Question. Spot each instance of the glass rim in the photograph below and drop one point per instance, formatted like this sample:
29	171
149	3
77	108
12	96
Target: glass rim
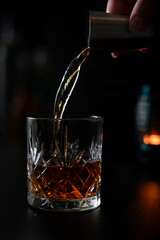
72	118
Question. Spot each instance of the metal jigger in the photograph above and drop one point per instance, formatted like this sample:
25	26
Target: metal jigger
111	32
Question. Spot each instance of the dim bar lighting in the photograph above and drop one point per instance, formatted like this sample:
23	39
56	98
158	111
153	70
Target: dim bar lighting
152	139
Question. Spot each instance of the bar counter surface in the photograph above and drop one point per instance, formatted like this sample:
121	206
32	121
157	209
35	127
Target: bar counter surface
130	206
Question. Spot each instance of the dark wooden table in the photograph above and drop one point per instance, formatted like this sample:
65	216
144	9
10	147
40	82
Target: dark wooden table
130	206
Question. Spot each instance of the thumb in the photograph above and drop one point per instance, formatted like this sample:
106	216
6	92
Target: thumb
141	15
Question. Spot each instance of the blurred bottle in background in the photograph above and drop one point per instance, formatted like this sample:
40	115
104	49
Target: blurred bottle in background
148	122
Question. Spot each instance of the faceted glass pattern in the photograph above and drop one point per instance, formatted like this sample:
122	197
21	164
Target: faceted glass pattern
64	172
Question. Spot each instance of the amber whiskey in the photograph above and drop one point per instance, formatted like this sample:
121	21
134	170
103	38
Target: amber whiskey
65	183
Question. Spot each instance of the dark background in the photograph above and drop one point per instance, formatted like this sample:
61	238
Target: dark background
37	42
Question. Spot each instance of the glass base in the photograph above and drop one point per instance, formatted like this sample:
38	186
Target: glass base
64	206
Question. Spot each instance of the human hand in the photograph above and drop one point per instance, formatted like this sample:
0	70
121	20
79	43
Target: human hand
140	12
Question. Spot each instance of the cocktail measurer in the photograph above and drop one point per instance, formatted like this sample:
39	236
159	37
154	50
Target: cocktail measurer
111	32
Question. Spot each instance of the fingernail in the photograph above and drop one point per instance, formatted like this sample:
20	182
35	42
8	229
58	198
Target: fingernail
136	24
115	55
